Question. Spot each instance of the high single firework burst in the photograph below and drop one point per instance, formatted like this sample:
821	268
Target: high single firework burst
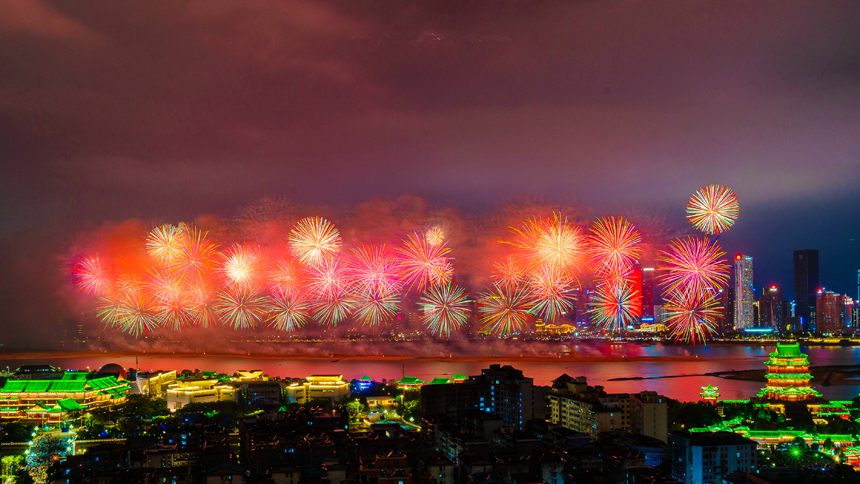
615	305
693	264
713	209
165	243
551	293
422	263
376	307
373	269
614	245
691	316
287	312
92	276
504	310
444	309
435	235
240	308
314	240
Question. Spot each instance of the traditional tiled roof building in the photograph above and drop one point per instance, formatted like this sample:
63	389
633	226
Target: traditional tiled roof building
788	375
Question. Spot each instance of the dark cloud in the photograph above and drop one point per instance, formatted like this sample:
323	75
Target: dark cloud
163	111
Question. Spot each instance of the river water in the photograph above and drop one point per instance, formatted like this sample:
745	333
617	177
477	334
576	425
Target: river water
660	361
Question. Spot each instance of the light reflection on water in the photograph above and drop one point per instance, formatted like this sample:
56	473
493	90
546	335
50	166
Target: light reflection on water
708	359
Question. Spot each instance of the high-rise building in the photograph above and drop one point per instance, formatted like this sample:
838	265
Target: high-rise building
828	314
806	283
648	274
744	293
726	321
846	310
772	308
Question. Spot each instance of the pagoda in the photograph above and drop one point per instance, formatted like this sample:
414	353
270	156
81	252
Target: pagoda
788	376
710	394
364	383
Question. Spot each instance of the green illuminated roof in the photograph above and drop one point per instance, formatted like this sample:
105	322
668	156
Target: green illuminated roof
788	376
365	378
439	380
788	350
459	376
788	391
58	386
69	404
709	388
410	380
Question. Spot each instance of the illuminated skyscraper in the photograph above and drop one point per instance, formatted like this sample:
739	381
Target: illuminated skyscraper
806	284
744	294
772	308
726	320
828	314
648	294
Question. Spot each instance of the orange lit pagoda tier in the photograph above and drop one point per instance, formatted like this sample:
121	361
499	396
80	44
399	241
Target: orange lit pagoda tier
788	375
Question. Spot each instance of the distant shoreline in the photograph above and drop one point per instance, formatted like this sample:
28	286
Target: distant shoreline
343	357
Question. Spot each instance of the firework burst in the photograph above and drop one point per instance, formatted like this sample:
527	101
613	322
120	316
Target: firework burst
444	309
285	277
614	245
197	256
551	293
553	242
507	272
504	310
374	270
328	280
92	276
375	308
165	243
287	312
693	265
240	308
713	209
314	240
135	314
691	316
243	266
615	305
423	263
333	308
435	235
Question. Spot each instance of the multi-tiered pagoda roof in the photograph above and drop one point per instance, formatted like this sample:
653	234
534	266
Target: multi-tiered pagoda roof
788	375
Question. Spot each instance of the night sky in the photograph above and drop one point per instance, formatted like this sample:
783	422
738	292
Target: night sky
166	110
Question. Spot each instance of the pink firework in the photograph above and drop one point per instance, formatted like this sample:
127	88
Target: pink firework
374	270
314	240
328	280
92	276
422	263
694	264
